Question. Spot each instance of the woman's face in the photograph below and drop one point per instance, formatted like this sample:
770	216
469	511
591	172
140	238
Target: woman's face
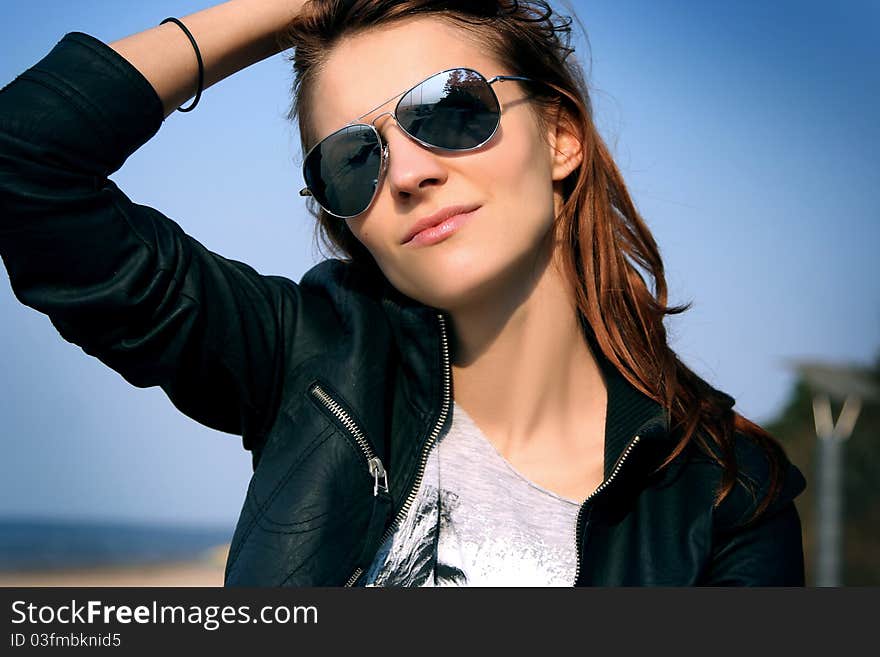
510	178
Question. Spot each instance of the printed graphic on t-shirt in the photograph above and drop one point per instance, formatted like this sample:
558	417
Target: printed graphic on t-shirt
409	556
476	521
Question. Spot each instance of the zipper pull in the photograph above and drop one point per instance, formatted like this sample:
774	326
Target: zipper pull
378	472
378	519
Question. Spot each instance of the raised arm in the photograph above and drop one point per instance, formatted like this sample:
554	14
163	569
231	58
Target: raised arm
121	279
231	36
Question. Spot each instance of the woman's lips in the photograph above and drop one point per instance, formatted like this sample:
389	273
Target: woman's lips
441	231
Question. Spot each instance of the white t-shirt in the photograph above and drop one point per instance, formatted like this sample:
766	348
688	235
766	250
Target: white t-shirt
476	521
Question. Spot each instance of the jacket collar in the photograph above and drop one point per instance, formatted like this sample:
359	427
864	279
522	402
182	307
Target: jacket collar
629	412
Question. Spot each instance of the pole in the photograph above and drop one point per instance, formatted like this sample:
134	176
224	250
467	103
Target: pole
829	501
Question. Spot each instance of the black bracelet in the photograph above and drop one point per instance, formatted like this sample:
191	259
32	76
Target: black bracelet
198	57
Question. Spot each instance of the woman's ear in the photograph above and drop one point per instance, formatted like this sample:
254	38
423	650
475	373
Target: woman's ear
566	143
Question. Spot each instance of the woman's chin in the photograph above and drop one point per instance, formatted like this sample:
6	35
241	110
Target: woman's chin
458	277
453	292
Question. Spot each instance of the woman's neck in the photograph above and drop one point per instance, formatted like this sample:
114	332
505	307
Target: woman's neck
522	368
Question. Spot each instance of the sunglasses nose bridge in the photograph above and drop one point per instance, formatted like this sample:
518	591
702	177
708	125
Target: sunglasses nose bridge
384	142
379	116
373	122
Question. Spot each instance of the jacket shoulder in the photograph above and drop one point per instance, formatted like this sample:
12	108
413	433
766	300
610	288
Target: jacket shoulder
353	291
343	282
753	481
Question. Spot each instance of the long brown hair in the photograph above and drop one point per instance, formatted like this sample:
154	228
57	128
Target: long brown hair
604	237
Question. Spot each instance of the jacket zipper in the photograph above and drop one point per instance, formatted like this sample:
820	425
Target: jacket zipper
434	434
374	463
426	449
579	524
377	470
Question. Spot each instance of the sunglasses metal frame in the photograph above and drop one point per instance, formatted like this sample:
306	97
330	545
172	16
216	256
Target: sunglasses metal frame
384	147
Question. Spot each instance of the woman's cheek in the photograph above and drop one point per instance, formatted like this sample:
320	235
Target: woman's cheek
364	235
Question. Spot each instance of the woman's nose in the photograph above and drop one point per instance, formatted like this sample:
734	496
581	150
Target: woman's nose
412	168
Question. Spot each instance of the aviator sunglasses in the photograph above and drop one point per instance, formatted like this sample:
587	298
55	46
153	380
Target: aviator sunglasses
453	110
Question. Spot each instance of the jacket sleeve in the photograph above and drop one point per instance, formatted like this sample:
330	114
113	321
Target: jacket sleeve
768	551
120	279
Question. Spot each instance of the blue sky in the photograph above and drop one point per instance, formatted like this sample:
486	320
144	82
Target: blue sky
747	133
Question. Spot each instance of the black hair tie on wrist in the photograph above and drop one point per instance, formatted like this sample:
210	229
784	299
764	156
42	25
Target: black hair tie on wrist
198	57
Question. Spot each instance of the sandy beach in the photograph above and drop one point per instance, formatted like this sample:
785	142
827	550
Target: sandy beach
205	570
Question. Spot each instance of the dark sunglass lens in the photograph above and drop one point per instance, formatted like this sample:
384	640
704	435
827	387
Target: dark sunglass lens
342	171
454	109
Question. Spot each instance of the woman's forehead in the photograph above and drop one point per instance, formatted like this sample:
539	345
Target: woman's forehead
368	68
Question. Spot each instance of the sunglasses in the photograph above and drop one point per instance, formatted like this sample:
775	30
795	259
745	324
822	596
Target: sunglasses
453	110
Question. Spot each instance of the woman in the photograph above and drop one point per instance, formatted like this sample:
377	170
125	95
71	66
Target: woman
480	390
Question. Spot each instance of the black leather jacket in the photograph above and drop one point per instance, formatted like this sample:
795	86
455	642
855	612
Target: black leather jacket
337	384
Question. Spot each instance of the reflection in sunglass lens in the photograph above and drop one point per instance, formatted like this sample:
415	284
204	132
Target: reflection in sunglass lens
454	109
342	171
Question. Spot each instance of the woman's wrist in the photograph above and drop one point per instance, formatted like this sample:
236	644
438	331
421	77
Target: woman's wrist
231	36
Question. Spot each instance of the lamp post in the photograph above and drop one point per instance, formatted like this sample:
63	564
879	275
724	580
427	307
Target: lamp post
852	385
